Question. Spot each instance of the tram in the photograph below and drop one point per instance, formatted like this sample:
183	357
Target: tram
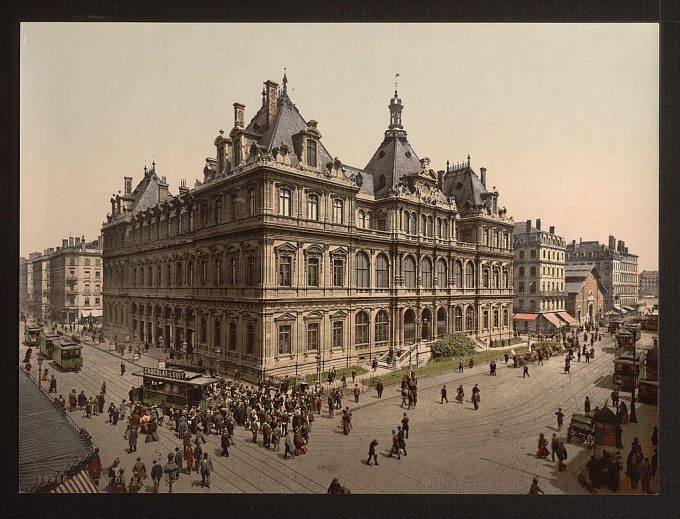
629	372
47	341
172	387
67	355
32	334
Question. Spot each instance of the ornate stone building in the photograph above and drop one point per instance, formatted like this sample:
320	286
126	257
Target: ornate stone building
283	253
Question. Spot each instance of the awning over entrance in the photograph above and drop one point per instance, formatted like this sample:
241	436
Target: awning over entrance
567	318
525	317
81	483
94	313
553	319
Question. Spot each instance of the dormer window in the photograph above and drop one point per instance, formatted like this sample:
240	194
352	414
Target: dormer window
311	153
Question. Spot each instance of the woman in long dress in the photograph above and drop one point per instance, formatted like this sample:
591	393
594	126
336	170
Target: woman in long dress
346	426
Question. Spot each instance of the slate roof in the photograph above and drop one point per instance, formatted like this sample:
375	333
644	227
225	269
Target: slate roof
49	442
394	159
575	277
573	288
465	186
145	195
287	122
367	187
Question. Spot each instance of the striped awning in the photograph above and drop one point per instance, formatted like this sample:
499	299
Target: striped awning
567	318
553	319
525	317
81	483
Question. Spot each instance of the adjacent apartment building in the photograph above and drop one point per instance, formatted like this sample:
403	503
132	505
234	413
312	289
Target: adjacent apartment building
616	266
283	256
25	284
585	293
76	278
41	284
649	283
540	296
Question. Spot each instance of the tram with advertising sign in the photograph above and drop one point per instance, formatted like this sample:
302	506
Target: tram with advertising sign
67	354
47	342
172	387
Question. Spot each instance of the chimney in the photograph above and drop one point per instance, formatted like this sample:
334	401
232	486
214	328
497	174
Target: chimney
70	241
162	192
271	89
77	244
58	249
183	187
580	241
238	115
623	245
612	242
619	245
440	179
538	224
552	229
64	243
528	227
128	186
483	173
573	244
626	250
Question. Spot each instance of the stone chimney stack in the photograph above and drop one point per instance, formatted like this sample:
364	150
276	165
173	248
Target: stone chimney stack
77	244
440	179
483	175
552	229
162	190
271	99
528	227
619	245
70	241
183	186
64	243
127	186
238	115
538	224
612	242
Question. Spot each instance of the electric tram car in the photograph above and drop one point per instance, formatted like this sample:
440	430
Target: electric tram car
32	335
47	341
174	387
67	355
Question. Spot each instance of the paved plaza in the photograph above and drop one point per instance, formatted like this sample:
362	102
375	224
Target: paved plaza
451	447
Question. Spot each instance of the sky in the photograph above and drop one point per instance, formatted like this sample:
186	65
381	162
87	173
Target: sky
564	117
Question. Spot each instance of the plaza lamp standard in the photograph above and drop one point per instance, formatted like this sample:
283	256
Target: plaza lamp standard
40	361
318	369
633	415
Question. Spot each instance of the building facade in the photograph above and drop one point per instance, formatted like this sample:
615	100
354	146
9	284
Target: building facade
283	258
616	266
25	284
540	296
587	295
41	284
76	281
649	283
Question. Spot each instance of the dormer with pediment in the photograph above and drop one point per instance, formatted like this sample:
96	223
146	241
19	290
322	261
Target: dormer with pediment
306	144
241	138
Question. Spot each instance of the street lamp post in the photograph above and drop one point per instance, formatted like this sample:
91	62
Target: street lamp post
318	369
40	361
633	415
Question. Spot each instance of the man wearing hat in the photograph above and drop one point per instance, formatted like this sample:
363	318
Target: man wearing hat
560	418
139	469
179	459
133	439
156	475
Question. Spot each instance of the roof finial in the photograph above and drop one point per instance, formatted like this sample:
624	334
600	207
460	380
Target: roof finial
285	82
145	168
395	84
264	96
447	165
468	159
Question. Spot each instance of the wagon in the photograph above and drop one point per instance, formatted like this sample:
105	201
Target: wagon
32	335
581	427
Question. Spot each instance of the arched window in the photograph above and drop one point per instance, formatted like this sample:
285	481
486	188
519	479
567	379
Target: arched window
485	278
338	210
382	279
485	236
470	319
413	224
442	282
458	319
505	279
313	206
427	273
423	225
428	229
445	230
439	228
361	329
470	275
495	279
404	221
284	201
409	272
368	220
409	326
458	274
381	327
495	239
363	278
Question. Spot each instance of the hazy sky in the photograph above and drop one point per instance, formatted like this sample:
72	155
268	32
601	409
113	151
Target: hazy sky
564	117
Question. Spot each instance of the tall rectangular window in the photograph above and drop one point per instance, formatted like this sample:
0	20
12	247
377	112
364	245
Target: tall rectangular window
234	206
285	271
232	336
311	153
217	334
284	201
218	272
485	319
337	335
338	207
250	339
203	331
251	201
313	207
338	273
232	272
250	274
313	336
313	271
284	338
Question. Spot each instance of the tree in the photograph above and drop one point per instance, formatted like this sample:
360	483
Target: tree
455	345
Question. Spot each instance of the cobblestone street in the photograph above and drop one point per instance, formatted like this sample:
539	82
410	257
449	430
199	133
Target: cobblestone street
451	447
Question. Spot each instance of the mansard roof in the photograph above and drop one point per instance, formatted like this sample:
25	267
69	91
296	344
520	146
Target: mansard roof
465	186
393	160
145	195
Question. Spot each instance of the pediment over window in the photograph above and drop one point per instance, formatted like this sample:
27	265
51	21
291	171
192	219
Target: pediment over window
340	314
340	251
286	317
314	249
312	316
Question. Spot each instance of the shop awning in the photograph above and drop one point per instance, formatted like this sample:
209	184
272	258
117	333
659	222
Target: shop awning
567	318
628	308
553	319
93	313
81	483
525	317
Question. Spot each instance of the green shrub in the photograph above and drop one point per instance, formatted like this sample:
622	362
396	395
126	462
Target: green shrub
456	345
